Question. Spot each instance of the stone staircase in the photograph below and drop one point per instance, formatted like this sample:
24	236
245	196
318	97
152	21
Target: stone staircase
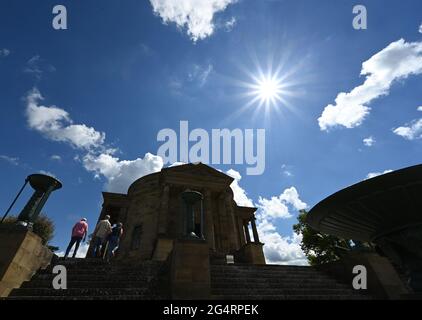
93	279
275	282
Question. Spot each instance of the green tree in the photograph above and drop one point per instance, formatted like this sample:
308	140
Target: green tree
43	227
319	248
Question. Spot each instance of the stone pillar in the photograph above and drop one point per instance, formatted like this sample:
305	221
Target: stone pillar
164	208
21	255
255	231
232	234
241	231
190	270
209	220
223	230
123	216
217	228
163	245
251	253
246	228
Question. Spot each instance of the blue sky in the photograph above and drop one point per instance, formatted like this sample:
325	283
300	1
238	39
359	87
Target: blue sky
124	71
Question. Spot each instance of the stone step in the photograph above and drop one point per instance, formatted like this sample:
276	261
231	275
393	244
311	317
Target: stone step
275	271
299	275
262	266
103	270
80	292
105	264
78	260
96	277
268	276
90	297
281	291
289	268
277	280
281	285
290	297
45	284
98	263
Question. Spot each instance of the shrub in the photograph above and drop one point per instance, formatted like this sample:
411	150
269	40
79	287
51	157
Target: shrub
43	227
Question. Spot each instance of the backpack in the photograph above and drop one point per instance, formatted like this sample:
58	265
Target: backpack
115	232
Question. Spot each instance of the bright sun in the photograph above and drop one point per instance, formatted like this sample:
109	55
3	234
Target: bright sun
267	90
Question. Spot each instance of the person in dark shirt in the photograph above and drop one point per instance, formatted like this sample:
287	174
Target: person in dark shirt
113	240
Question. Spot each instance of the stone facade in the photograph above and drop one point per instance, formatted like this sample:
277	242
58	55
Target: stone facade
21	255
153	215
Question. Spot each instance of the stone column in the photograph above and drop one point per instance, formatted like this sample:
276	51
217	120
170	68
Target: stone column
223	219
255	231
162	220
123	216
246	228
232	234
164	245
240	228
209	220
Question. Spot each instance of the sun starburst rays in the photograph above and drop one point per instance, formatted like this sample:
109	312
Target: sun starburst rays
267	91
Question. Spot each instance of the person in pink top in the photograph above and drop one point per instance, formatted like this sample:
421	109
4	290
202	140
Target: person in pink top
79	232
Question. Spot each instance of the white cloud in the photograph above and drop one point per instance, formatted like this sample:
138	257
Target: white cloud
56	157
36	66
194	15
32	66
176	164
397	61
420	28
278	207
274	207
286	171
291	196
199	74
82	251
410	131
279	249
369	142
240	196
11	160
4	52
376	174
48	173
55	124
194	76
120	174
229	25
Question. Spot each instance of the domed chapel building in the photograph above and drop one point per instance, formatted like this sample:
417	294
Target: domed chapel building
155	213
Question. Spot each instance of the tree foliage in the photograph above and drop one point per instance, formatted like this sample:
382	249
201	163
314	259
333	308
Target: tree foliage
43	227
319	248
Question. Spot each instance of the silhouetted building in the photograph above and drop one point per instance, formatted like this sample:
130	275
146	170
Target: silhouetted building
154	215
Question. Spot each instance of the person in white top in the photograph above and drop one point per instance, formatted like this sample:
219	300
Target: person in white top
102	230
